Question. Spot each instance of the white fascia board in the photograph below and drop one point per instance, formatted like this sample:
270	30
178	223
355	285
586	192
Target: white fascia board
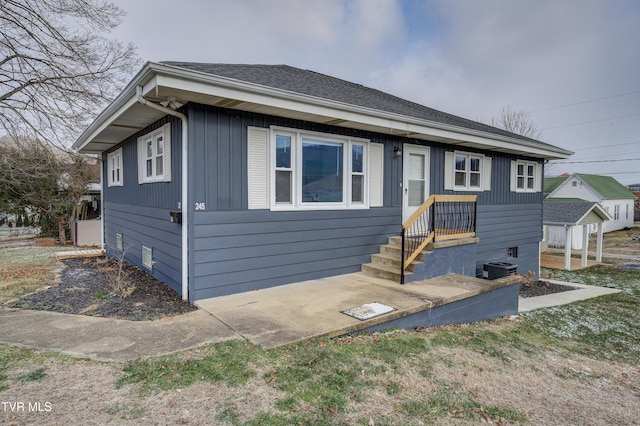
247	92
116	108
87	137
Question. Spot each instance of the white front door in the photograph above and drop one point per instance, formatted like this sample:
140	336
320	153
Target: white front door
415	178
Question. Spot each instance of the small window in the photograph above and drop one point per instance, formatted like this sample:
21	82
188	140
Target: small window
147	257
512	252
526	176
119	241
154	156
468	171
616	212
114	168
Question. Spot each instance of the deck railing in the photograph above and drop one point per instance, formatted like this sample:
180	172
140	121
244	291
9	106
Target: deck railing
440	217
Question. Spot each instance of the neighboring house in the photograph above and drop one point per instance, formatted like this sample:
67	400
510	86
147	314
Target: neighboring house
221	178
86	226
570	220
612	196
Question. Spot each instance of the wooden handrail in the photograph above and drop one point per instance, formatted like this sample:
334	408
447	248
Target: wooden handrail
412	219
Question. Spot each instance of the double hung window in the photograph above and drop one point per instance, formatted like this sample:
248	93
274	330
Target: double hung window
465	171
154	156
114	168
526	176
468	171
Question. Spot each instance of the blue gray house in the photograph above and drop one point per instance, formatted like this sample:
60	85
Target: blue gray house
220	178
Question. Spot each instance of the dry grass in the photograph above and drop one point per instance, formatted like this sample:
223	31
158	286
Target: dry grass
576	364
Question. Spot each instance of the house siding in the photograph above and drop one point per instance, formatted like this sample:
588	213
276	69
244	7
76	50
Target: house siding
234	249
140	212
500	227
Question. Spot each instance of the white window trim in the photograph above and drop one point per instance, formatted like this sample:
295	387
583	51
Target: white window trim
115	155
296	162
537	176
165	131
450	172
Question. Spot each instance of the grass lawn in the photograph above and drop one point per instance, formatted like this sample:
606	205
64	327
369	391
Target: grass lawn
574	364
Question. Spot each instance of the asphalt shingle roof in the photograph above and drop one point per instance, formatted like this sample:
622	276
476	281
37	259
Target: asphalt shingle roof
569	213
319	85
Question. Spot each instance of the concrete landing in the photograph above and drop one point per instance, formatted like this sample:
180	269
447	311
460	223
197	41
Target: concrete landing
79	253
295	312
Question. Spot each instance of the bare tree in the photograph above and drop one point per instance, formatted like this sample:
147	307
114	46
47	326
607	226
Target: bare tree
518	122
35	177
57	68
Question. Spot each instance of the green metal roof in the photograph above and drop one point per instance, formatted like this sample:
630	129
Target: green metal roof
551	183
606	186
565	200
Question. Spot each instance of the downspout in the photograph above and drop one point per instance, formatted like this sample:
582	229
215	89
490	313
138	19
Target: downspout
185	187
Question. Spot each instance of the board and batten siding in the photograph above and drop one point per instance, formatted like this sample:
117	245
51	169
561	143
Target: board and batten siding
235	247
140	212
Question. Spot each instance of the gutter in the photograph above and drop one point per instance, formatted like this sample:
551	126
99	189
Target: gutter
185	187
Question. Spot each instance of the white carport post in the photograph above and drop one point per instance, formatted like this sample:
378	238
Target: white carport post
599	243
567	247
585	245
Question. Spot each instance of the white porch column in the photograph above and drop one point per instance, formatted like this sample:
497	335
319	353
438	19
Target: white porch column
585	245
567	248
599	243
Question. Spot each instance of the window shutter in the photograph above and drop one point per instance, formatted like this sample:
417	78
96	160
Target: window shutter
448	170
376	175
166	130
140	161
258	168
486	170
538	178
514	178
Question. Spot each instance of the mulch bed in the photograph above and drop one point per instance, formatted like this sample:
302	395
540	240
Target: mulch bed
540	288
87	287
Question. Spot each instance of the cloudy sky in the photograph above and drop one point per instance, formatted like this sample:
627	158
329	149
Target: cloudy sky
573	65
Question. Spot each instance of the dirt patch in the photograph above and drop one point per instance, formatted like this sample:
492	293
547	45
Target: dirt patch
87	287
541	288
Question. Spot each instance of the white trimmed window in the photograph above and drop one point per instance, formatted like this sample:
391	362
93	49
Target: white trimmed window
465	171
114	168
314	171
526	176
616	212
154	156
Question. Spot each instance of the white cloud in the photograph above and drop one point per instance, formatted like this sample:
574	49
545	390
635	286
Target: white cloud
465	57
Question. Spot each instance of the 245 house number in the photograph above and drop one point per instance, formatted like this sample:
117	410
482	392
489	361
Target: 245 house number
200	206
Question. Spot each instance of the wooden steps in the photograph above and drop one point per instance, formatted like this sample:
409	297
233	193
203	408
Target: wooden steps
386	263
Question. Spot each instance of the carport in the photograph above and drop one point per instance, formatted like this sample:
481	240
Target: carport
570	214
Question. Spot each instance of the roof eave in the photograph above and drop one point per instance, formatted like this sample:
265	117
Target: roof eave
386	122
